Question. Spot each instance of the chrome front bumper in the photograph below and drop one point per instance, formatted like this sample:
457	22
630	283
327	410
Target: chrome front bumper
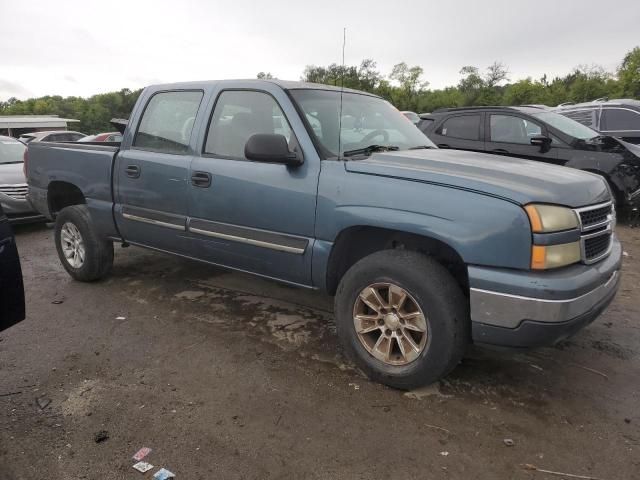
509	311
529	309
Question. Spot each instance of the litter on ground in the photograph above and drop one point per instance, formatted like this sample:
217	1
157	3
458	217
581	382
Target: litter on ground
140	454
143	467
163	474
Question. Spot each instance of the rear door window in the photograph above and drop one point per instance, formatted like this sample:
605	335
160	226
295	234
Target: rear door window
167	122
466	127
512	129
620	119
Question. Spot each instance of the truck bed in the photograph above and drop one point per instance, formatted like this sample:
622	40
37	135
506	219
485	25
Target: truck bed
87	167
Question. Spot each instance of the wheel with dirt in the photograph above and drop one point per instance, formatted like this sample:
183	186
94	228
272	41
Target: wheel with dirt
83	253
402	318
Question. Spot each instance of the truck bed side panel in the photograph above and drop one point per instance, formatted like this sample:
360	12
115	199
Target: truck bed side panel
87	167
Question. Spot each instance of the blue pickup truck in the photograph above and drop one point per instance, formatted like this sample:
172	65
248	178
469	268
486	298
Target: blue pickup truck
425	250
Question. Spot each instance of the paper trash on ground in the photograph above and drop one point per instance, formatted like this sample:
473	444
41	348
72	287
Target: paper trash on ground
143	467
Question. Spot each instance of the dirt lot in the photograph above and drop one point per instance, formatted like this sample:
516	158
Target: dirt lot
231	377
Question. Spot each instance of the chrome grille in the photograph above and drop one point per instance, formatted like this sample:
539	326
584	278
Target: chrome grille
595	217
596	225
18	191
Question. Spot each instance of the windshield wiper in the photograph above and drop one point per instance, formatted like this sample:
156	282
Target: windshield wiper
420	147
368	150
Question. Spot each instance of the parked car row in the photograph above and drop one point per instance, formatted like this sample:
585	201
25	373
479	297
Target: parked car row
538	133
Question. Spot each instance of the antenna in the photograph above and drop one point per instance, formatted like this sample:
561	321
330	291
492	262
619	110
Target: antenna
344	43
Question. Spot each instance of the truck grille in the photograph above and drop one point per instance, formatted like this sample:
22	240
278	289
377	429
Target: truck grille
596	224
17	192
590	218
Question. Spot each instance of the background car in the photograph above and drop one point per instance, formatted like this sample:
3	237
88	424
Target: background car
103	137
537	133
618	118
52	136
413	116
11	286
13	185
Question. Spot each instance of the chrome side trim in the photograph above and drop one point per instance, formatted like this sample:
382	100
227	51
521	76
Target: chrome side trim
158	223
222	265
508	311
248	241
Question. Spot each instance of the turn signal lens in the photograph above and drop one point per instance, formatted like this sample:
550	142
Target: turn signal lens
551	218
544	257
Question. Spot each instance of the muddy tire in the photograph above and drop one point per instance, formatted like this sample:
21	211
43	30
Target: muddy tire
83	253
402	318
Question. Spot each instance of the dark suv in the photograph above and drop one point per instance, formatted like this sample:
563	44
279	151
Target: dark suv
536	133
618	118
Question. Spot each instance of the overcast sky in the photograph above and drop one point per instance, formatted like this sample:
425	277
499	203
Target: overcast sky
83	47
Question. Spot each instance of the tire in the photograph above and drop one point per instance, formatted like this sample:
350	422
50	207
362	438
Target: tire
97	261
433	290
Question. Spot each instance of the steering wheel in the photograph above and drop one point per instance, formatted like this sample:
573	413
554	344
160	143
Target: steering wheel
371	135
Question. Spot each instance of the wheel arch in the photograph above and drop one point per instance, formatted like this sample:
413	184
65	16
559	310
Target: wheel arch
61	194
356	242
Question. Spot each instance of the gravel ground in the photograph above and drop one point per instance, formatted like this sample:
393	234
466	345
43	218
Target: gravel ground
227	376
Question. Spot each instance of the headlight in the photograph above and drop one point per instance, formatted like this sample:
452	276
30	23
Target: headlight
551	218
544	257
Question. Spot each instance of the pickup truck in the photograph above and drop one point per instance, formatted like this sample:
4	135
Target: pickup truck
425	250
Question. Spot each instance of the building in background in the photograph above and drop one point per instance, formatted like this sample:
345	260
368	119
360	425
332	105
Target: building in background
16	125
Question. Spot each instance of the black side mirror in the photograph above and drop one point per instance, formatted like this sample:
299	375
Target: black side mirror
271	148
541	141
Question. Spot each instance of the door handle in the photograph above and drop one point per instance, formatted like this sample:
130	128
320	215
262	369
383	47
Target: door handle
201	179
132	171
500	151
443	145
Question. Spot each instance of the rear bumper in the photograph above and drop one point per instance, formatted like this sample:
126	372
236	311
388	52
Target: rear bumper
531	310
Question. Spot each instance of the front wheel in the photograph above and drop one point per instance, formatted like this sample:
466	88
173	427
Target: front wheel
82	252
402	318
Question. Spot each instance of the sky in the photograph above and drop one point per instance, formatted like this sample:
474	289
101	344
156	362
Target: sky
84	47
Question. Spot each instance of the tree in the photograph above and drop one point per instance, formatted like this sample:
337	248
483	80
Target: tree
629	74
265	75
411	85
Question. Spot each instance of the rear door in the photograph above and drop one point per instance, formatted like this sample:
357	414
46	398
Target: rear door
11	286
511	134
152	171
460	131
251	215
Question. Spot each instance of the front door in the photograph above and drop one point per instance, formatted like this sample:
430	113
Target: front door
511	135
253	216
152	174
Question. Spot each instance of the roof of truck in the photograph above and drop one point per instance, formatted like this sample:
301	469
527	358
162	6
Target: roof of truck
284	84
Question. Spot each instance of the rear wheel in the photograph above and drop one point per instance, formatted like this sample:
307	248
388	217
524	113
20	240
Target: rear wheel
83	254
402	318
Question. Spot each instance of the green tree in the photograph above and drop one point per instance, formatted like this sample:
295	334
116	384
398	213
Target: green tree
629	75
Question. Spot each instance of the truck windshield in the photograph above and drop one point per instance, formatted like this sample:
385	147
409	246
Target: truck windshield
11	151
567	125
366	121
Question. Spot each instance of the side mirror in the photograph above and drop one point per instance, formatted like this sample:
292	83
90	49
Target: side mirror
541	141
271	148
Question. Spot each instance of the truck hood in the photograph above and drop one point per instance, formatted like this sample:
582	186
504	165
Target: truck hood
11	174
521	181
